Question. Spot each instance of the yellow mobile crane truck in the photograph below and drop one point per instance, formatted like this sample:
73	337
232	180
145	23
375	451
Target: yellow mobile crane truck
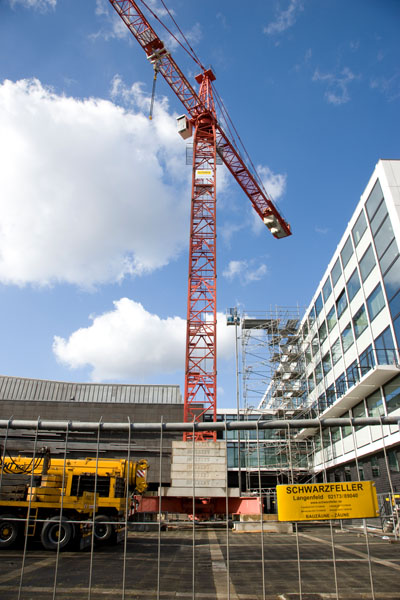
59	501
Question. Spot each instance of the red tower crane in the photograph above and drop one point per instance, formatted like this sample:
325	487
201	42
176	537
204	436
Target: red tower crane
210	142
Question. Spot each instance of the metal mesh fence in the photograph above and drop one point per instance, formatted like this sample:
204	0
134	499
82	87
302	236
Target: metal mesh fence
76	526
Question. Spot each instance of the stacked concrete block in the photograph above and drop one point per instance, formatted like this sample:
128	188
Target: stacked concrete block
200	467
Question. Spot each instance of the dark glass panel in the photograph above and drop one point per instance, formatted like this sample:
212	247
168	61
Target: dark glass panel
359	228
336	272
341	303
375	302
367	263
353	285
327	289
360	321
347	252
374	200
392	279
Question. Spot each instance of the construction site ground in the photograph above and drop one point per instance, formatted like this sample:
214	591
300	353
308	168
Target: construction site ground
212	569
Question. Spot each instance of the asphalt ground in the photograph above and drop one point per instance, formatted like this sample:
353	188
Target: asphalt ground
215	568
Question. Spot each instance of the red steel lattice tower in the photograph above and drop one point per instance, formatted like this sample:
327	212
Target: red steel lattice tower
201	334
209	134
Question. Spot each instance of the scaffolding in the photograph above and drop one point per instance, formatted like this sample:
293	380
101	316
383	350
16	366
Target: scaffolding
274	384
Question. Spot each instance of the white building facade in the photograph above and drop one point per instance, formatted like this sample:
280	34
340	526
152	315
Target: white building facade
351	339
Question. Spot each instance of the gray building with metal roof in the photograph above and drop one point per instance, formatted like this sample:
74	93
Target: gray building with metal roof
23	398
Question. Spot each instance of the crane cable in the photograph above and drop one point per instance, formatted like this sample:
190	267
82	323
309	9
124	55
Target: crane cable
222	108
192	53
237	139
153	91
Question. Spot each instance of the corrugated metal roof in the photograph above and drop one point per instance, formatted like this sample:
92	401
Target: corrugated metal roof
20	388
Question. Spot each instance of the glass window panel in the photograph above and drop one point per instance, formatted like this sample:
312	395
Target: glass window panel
378	218
375	466
322	332
311	384
305	329
367	263
396	325
360	321
347	251
393	461
336	272
395	305
321	404
384	347
353	374
359	411
315	345
307	355
375	302
375	404
367	360
392	394
353	285
330	395
392	279
347	337
341	303
384	237
341	385
326	363
331	318
346	429
336	351
318	305
389	256
318	373
327	289
374	200
311	317
359	228
335	434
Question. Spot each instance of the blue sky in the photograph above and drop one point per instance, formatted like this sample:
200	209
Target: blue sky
95	198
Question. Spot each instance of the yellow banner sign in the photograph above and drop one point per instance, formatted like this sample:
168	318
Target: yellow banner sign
324	501
204	173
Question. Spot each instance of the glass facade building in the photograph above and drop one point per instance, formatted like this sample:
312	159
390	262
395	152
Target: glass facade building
347	347
355	334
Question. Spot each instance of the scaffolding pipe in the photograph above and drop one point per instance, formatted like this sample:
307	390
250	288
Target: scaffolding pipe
43	424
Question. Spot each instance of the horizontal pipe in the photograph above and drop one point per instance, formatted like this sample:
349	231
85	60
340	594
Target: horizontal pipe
181	427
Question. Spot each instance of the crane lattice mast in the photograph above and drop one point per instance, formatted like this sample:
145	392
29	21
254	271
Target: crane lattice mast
208	136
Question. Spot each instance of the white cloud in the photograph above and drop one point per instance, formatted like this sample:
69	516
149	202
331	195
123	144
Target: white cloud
285	18
389	86
90	192
41	5
244	271
130	343
113	26
337	92
274	183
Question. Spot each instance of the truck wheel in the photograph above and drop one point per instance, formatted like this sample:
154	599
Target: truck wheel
103	531
54	536
9	530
